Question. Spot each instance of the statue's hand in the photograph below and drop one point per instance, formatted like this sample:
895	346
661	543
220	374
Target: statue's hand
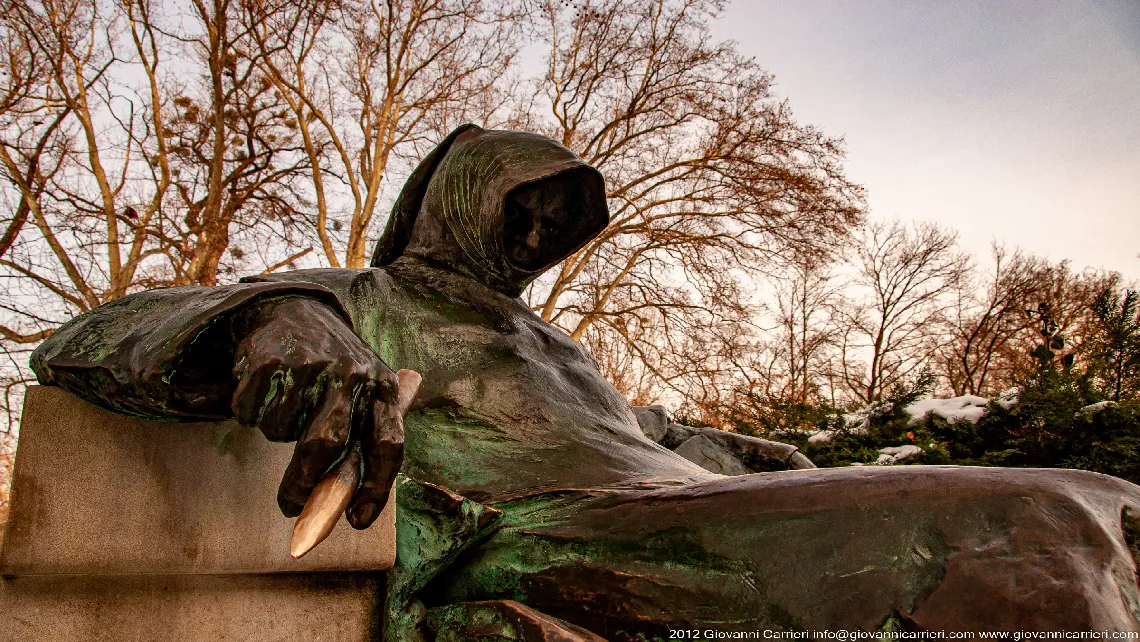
302	374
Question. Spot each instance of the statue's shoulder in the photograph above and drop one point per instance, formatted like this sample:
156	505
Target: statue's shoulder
342	281
435	295
358	289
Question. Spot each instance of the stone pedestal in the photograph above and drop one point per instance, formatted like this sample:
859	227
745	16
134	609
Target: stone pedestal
122	528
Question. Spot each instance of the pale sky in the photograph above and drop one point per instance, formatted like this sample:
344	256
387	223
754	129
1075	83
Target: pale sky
1010	119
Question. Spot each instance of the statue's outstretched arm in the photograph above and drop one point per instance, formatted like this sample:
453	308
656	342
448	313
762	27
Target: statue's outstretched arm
280	356
163	354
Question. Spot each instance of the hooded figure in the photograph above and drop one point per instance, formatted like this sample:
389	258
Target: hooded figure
529	494
500	207
481	216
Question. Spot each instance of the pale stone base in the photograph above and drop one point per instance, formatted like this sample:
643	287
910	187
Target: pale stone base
247	608
125	529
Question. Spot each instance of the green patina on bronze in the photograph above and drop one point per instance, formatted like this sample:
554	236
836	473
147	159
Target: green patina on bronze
433	527
500	620
531	501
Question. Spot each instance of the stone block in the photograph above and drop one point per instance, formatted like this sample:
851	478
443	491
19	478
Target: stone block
653	421
192	608
711	456
677	434
127	529
95	492
758	455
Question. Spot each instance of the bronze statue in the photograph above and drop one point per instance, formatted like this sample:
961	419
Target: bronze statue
529	494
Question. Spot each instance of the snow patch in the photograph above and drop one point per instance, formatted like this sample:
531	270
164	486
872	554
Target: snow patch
892	454
859	420
1092	409
964	408
856	422
1008	398
821	436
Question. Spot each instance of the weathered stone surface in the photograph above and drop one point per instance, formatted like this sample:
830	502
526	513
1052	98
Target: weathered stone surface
192	608
758	455
653	420
800	461
677	434
721	452
95	492
704	452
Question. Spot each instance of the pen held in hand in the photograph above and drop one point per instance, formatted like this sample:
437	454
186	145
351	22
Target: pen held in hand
329	499
332	494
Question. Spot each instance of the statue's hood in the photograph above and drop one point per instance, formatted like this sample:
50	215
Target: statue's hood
450	212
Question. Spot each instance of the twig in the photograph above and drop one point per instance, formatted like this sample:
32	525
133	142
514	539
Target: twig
277	266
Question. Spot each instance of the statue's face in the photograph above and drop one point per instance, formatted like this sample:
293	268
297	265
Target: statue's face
543	221
499	207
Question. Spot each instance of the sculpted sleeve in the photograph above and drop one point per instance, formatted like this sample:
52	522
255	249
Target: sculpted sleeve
164	353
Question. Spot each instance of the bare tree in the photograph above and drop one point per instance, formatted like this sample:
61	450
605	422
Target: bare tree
142	148
24	100
806	298
902	276
234	148
132	158
1069	299
775	368
367	78
708	177
783	357
985	313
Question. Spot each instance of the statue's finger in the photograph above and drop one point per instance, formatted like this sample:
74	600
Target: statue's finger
382	460
287	404
322	443
249	395
382	446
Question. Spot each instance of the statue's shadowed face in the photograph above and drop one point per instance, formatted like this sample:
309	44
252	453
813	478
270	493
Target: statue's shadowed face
545	220
500	207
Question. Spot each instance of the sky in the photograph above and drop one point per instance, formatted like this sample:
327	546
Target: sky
1014	120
